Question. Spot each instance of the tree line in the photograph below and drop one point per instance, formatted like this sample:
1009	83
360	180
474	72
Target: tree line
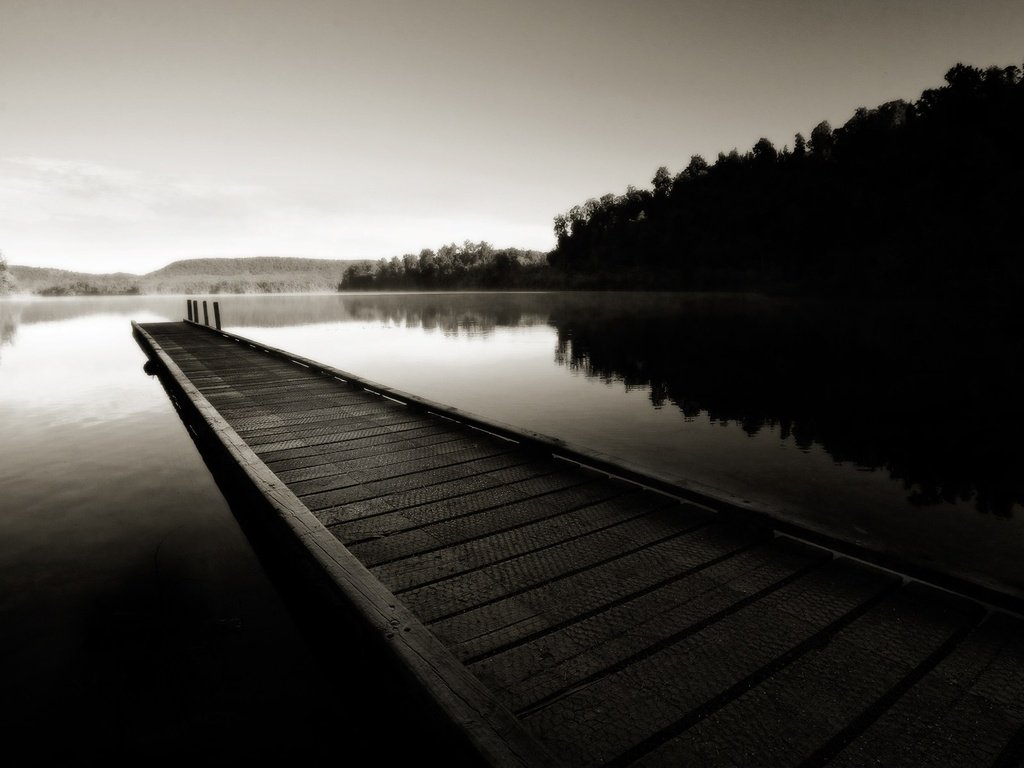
902	198
471	265
87	288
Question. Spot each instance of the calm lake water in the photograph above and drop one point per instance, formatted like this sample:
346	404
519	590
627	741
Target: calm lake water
135	621
895	430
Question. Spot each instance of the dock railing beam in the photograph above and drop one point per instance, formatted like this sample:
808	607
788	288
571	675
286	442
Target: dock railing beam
206	313
188	305
216	314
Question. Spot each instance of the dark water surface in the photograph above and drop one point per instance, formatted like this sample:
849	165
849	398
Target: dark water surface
136	624
894	428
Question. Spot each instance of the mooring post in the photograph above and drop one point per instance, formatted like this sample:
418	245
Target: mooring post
216	314
195	310
206	314
188	303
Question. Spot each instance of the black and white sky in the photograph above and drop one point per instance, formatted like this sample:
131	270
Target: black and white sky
134	133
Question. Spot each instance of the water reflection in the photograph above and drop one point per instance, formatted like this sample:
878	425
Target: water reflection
914	390
478	314
8	325
926	395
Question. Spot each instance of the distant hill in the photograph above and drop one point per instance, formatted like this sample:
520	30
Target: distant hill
63	282
262	274
256	265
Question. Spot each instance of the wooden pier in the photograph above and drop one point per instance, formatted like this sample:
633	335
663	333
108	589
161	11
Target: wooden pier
559	609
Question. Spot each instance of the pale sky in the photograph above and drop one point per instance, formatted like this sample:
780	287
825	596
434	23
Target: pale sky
134	133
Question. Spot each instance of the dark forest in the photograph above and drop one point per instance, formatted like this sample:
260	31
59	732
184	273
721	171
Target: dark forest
902	199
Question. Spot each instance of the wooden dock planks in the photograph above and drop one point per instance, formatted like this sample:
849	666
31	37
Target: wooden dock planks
615	625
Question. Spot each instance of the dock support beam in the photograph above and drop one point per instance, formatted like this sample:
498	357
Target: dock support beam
188	303
216	314
206	314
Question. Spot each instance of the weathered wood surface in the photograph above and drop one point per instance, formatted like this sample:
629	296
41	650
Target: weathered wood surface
614	625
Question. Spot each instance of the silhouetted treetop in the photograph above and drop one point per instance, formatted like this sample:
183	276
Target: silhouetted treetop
904	197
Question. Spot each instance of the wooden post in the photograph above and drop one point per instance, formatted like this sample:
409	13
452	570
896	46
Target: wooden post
206	314
195	310
188	303
216	314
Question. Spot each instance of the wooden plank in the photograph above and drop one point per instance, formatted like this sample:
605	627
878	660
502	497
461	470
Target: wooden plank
509	577
342	500
350	440
204	377
370	518
236	399
259	379
528	665
486	523
414	437
273	419
338	421
286	410
793	715
267	391
241	372
966	711
192	356
335	390
287	413
264	384
453	559
535	630
376	427
332	417
376	468
403	450
355	483
459	499
603	720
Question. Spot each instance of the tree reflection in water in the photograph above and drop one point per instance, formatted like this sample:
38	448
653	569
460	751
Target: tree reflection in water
928	394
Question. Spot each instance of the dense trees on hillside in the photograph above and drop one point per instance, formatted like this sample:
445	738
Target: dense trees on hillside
471	265
902	198
6	279
250	267
87	288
